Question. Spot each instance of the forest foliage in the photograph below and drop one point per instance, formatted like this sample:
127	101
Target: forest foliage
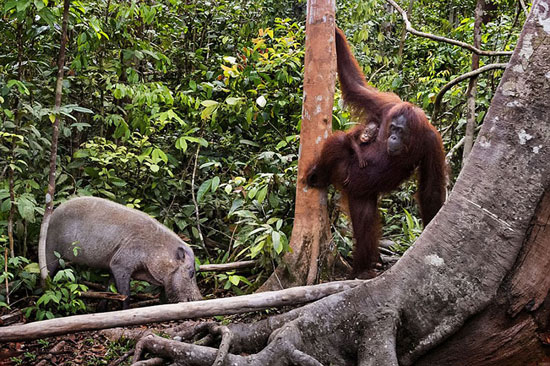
178	107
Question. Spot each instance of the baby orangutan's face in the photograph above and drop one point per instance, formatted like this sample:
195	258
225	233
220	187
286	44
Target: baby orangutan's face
369	133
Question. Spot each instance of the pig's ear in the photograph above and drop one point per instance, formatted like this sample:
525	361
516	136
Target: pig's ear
180	253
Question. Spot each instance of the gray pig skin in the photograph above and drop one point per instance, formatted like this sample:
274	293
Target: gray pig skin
125	241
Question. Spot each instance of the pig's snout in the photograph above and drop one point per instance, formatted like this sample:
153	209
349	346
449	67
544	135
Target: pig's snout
182	286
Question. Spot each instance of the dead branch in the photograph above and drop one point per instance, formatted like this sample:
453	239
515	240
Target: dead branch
454	42
226	266
457	80
14	317
453	149
144	303
103	295
160	313
524	7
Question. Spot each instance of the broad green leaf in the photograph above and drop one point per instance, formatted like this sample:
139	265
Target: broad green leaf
238	203
235	280
205	186
209	103
261	194
32	268
232	100
181	144
26	208
158	155
215	183
277	245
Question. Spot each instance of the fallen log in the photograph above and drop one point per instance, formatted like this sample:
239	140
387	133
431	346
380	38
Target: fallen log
168	312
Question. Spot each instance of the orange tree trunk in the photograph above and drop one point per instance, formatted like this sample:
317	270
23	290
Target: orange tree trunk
311	232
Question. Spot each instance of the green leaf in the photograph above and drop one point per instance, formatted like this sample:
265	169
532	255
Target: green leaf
202	142
208	111
238	203
277	245
209	103
262	194
181	144
215	183
232	100
235	280
158	154
32	268
22	5
82	153
26	208
154	168
9	5
248	142
205	186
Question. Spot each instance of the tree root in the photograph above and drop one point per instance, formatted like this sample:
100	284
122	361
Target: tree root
330	331
284	348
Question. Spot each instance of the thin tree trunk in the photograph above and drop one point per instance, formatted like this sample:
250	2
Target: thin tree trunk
404	33
472	85
53	154
6	270
311	231
11	214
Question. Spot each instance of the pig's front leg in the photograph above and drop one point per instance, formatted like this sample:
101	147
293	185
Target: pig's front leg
122	268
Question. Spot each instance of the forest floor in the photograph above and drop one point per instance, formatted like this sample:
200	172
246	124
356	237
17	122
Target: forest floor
84	348
94	348
103	347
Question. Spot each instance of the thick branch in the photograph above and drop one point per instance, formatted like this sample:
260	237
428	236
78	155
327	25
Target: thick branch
454	42
224	306
462	77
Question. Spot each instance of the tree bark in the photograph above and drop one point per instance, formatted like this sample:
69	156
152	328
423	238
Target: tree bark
513	330
473	289
311	231
53	155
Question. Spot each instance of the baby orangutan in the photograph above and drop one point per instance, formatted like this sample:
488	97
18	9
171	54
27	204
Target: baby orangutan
359	137
367	135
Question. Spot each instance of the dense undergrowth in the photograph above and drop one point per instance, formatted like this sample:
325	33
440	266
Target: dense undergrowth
176	106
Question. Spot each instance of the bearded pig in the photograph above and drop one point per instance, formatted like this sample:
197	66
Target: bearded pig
129	243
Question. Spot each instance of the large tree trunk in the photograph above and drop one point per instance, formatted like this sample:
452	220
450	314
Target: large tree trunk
311	230
473	290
